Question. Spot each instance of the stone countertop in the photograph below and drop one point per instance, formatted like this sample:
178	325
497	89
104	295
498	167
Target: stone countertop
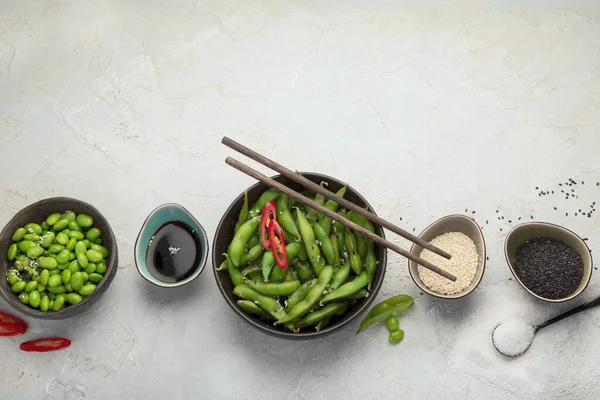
427	108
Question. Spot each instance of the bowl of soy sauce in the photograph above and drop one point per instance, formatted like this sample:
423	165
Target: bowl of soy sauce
172	247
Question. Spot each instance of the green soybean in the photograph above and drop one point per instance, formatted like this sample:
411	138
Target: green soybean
76	235
74	227
44	303
68	287
63	266
95	278
35	251
74	266
83	261
57	289
41	288
24	297
62	238
88	244
53	219
94	256
32	236
55	248
88	289
84	220
98	241
60	225
69	215
59	303
19	235
18	287
74	298
77	281
93	234
55	281
44	276
103	250
80	247
33	228
66	276
12	252
13	276
396	336
392	323
101	267
24	245
34	299
71	244
90	269
47	239
85	277
63	256
30	286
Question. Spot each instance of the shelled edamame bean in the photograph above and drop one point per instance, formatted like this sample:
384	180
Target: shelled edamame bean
321	276
57	263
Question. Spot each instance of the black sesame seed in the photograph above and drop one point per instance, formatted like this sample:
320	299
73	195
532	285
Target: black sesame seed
466	210
487	222
496	211
555	208
509	221
487	258
537	187
473	212
500	229
502	217
585	239
567	214
519	218
531	216
560	184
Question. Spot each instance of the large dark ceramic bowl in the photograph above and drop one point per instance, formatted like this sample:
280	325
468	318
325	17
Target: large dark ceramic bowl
37	212
223	237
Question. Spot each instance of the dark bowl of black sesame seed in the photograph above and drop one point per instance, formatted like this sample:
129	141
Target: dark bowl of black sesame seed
551	262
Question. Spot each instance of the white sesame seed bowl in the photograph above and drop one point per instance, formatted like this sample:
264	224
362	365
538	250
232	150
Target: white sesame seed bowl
461	237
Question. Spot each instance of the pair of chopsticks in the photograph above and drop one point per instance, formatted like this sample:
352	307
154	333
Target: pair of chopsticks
297	177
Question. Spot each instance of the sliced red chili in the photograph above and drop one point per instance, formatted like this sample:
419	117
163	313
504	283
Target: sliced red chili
278	244
269	213
11	325
43	345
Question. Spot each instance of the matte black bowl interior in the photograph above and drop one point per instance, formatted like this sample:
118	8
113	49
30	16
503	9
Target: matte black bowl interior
38	212
224	234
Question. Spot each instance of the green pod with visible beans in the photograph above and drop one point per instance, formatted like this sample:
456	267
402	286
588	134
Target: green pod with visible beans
274	289
252	255
237	246
19	234
244	212
268	260
284	216
340	277
266	196
347	289
251	308
278	275
310	242
316	316
266	303
325	242
314	294
324	221
299	294
304	270
383	310
254	240
355	260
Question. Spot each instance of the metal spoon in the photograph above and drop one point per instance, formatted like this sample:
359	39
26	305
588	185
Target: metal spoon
543	325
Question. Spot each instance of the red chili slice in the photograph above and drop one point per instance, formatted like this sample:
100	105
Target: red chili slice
269	213
278	244
11	325
43	345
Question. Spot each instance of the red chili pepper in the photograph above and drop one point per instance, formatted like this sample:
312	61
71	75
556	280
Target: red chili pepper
278	244
269	213
43	345
11	325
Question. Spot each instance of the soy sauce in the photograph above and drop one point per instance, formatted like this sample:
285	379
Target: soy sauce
174	252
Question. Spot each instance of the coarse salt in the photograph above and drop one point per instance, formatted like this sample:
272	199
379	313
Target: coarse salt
463	264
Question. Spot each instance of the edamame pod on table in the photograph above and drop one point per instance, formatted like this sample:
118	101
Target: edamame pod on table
386	308
238	244
268	304
347	289
311	299
266	196
244	212
284	216
324	220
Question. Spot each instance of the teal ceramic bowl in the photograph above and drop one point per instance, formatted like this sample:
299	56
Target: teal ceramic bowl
162	215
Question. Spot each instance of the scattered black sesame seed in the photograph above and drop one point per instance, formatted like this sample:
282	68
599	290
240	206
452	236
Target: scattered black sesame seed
553	192
537	187
487	222
509	221
560	184
473	212
496	211
519	218
466	210
575	214
487	258
531	216
566	214
510	279
555	208
582	182
414	229
500	229
585	239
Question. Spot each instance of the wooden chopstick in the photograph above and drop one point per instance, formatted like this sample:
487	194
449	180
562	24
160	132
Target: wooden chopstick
297	177
336	217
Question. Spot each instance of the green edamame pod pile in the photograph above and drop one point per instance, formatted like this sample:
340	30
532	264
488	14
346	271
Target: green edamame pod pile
58	262
319	270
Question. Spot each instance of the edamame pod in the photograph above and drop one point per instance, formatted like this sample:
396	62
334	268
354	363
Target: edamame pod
310	243
284	216
251	308
268	304
347	289
311	299
267	195
274	289
238	244
244	212
325	242
324	220
314	317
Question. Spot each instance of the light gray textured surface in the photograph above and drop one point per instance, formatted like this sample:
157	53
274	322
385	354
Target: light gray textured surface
426	107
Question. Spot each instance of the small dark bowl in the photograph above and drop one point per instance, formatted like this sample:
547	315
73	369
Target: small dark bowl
223	237
37	212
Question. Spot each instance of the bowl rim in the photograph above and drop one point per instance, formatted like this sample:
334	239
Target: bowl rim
367	302
465	292
201	265
551	226
101	288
